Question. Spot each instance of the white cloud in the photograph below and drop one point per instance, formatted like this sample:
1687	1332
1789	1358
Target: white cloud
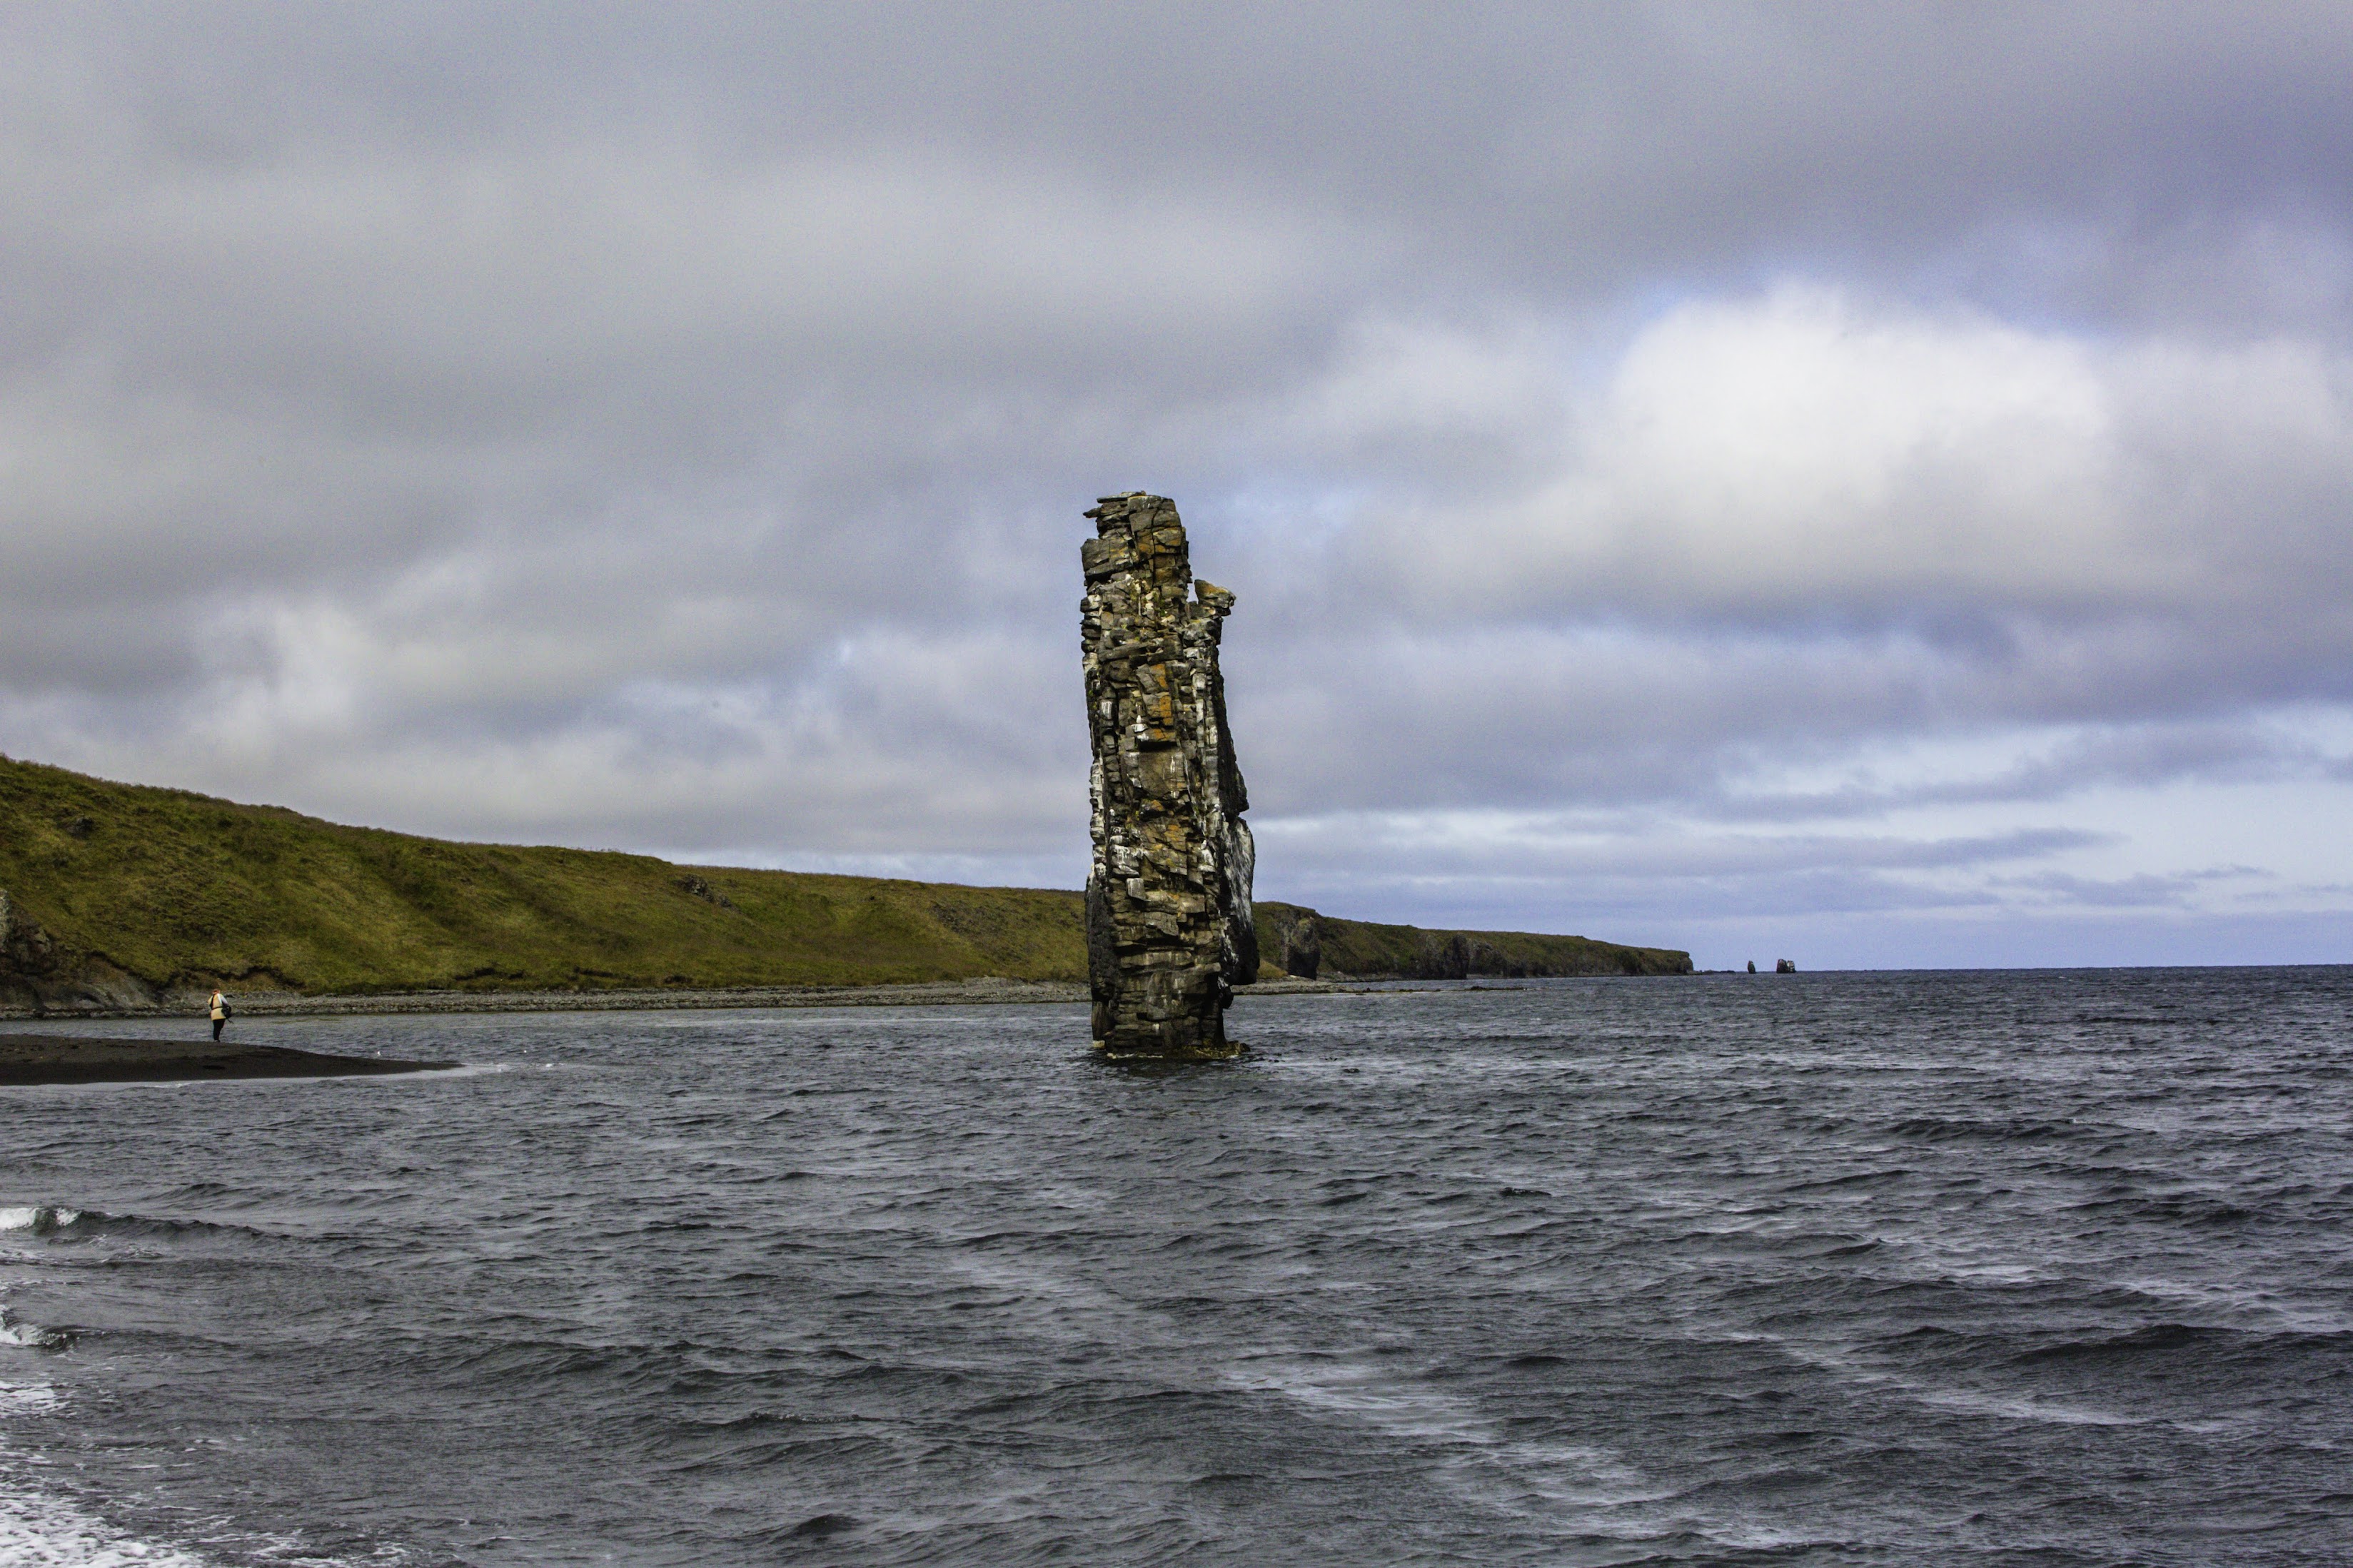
1796	455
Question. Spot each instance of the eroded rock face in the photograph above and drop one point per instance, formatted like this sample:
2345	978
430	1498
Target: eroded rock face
26	948
1168	900
38	974
1296	936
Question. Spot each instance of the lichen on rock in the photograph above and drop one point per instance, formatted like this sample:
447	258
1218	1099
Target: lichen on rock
1169	929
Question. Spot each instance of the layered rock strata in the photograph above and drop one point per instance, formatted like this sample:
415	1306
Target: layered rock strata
1169	929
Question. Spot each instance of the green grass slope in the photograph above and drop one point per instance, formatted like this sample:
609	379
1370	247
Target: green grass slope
179	890
114	891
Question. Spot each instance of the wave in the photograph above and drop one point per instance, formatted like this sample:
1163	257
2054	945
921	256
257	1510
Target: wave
1944	1129
2168	1338
57	1222
15	1330
2178	1208
41	1219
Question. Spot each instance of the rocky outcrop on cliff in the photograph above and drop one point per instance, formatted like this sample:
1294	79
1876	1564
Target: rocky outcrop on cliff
40	974
29	959
24	946
1169	925
1294	941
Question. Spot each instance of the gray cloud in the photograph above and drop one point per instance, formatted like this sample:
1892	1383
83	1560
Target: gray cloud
667	427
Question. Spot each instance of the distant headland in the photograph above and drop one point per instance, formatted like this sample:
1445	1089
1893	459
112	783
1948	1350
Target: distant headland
129	899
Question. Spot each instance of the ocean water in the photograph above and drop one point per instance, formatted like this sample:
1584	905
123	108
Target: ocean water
2050	1269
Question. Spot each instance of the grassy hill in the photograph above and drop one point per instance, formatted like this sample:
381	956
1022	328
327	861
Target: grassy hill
123	892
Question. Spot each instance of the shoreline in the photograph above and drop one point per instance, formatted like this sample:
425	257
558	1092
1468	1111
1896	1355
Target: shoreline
989	991
27	1060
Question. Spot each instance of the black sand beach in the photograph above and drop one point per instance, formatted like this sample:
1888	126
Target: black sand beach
59	1058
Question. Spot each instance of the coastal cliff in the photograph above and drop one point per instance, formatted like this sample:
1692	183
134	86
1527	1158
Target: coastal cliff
1300	941
124	898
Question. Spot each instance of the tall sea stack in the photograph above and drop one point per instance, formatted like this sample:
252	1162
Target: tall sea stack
1168	898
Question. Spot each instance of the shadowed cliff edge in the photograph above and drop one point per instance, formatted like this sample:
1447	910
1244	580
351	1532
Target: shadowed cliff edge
125	898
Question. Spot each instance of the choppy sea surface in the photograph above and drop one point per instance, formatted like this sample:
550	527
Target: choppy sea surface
2045	1268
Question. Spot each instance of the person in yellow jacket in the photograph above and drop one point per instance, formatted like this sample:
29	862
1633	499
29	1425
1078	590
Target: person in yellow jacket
220	1013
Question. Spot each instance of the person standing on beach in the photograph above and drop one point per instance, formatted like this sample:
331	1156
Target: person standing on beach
220	1014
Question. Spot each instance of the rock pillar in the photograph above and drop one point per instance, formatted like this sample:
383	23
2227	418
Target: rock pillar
1168	898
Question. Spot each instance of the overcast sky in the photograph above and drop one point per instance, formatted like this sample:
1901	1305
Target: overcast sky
1866	484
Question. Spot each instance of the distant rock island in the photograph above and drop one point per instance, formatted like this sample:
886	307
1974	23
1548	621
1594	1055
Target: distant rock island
124	898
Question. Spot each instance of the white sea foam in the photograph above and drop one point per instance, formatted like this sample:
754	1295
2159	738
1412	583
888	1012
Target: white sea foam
2270	1312
1966	1401
1483	1465
35	1217
15	1330
1474	1457
463	1069
27	1399
2014	1408
41	1530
